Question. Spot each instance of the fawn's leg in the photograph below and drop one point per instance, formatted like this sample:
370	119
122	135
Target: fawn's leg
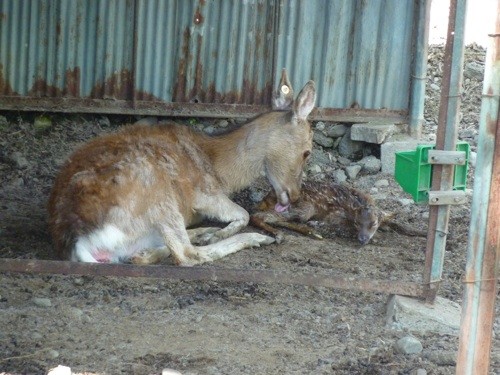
259	221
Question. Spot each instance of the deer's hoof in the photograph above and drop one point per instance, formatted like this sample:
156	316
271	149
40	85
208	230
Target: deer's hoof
261	239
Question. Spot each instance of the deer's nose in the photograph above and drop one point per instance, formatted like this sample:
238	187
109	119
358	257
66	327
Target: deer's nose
363	239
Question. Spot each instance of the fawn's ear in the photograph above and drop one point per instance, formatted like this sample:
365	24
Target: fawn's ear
283	98
305	101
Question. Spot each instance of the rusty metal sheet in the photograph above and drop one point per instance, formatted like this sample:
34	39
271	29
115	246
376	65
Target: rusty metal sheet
206	52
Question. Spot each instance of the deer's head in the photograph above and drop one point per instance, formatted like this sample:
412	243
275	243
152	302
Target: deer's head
290	145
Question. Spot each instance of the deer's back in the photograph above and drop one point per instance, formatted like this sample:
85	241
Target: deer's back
131	172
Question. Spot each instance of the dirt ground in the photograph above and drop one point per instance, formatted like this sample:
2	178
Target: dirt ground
101	325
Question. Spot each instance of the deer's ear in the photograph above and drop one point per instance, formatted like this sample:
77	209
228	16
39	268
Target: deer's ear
283	98
305	101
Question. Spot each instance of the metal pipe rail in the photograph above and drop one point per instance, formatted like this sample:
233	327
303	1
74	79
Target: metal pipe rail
211	274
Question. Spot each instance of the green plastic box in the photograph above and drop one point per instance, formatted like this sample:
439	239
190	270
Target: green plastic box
414	173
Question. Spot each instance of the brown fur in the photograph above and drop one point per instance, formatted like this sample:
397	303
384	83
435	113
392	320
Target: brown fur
331	203
146	184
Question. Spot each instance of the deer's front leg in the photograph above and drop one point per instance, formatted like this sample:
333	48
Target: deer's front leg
221	208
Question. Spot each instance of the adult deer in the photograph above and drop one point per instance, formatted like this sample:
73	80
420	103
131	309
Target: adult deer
131	195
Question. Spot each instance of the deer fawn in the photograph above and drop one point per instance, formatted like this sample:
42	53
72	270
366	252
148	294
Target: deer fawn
334	204
131	195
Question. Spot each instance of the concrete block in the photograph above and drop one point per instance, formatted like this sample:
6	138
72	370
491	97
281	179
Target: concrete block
388	153
372	132
443	317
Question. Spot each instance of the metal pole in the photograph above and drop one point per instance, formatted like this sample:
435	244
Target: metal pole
212	274
420	68
483	250
442	176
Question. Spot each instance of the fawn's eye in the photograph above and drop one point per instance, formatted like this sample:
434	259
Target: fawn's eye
306	154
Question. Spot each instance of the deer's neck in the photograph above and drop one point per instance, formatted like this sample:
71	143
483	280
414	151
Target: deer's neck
238	157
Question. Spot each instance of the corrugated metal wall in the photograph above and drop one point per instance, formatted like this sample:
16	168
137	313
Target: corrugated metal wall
66	48
206	57
206	51
359	51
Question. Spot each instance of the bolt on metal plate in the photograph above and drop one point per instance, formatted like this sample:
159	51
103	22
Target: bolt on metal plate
446	157
437	198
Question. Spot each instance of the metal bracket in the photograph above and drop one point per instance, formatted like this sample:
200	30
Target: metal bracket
446	157
437	198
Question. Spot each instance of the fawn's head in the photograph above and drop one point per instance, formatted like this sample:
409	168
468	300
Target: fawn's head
290	146
366	222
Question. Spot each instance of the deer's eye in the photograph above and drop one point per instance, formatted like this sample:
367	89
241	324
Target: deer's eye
306	154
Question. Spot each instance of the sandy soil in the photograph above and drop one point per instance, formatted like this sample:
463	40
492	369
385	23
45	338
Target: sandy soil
141	326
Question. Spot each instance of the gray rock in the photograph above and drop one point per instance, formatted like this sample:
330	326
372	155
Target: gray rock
435	87
349	148
17	182
150	120
381	183
36	336
339	176
210	129
405	201
419	371
468	133
337	142
413	315
3	122
370	164
320	125
78	281
408	345
352	171
19	160
314	169
42	302
343	161
104	121
473	158
76	312
322	139
222	123
241	120
320	157
53	353
442	358
372	132
336	131
474	70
